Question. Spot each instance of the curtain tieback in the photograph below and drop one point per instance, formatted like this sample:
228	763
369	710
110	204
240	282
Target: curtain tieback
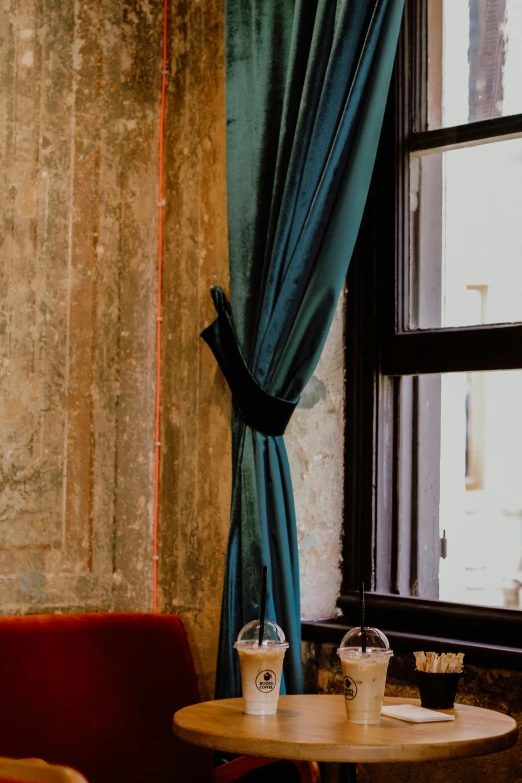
261	411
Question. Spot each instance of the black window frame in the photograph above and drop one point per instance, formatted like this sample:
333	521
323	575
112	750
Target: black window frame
379	351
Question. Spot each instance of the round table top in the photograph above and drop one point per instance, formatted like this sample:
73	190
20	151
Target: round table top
314	728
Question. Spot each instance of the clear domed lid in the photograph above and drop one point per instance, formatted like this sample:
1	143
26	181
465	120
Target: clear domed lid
376	643
273	634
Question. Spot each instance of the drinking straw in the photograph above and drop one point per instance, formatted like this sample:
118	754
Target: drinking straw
363	629
263	605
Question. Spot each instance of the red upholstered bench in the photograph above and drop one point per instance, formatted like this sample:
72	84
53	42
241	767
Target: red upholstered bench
97	692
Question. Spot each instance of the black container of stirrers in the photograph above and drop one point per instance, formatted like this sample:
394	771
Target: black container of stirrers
437	689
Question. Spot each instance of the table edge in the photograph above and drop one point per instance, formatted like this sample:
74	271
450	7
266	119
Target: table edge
369	754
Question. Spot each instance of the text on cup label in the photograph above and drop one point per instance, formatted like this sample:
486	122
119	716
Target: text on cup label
266	681
350	688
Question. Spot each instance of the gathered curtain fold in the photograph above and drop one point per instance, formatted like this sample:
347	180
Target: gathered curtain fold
306	86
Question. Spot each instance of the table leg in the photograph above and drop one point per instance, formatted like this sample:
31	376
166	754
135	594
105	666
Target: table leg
347	773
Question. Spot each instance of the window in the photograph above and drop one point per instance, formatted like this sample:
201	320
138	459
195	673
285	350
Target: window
434	335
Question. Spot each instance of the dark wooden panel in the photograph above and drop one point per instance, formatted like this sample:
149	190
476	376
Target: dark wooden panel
443	619
497	347
458	136
490	655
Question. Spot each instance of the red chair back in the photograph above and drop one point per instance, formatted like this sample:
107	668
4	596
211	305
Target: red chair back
97	692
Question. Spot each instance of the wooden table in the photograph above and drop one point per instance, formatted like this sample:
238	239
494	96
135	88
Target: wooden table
314	728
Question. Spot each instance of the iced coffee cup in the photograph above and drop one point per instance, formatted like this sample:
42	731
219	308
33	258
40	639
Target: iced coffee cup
364	674
261	666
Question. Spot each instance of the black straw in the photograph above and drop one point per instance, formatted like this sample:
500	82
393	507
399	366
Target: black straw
263	605
363	629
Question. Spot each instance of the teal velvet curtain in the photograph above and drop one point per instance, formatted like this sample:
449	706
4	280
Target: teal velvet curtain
306	86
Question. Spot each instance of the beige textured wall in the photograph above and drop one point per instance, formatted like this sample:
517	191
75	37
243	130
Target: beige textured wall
79	120
196	451
78	168
315	444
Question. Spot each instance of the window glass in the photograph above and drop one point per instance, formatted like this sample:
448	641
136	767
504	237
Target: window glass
474	60
480	488
466	236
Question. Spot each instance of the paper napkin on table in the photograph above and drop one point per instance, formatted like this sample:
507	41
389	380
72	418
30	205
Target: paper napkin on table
414	714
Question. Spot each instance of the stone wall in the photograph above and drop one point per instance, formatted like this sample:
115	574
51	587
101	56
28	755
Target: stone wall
494	689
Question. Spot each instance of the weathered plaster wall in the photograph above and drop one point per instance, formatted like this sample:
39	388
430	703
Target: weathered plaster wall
495	689
79	120
196	451
315	443
78	167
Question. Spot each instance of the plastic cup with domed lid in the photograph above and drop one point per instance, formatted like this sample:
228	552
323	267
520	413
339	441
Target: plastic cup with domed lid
364	663
261	665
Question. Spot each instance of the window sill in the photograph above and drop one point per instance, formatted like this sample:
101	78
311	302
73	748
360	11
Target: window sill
416	624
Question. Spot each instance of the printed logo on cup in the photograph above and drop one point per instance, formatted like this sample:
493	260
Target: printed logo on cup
266	681
350	689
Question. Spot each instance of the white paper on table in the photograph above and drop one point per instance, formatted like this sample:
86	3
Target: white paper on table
414	714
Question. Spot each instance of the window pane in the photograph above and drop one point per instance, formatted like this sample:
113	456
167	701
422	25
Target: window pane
466	236
458	473
474	60
481	488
